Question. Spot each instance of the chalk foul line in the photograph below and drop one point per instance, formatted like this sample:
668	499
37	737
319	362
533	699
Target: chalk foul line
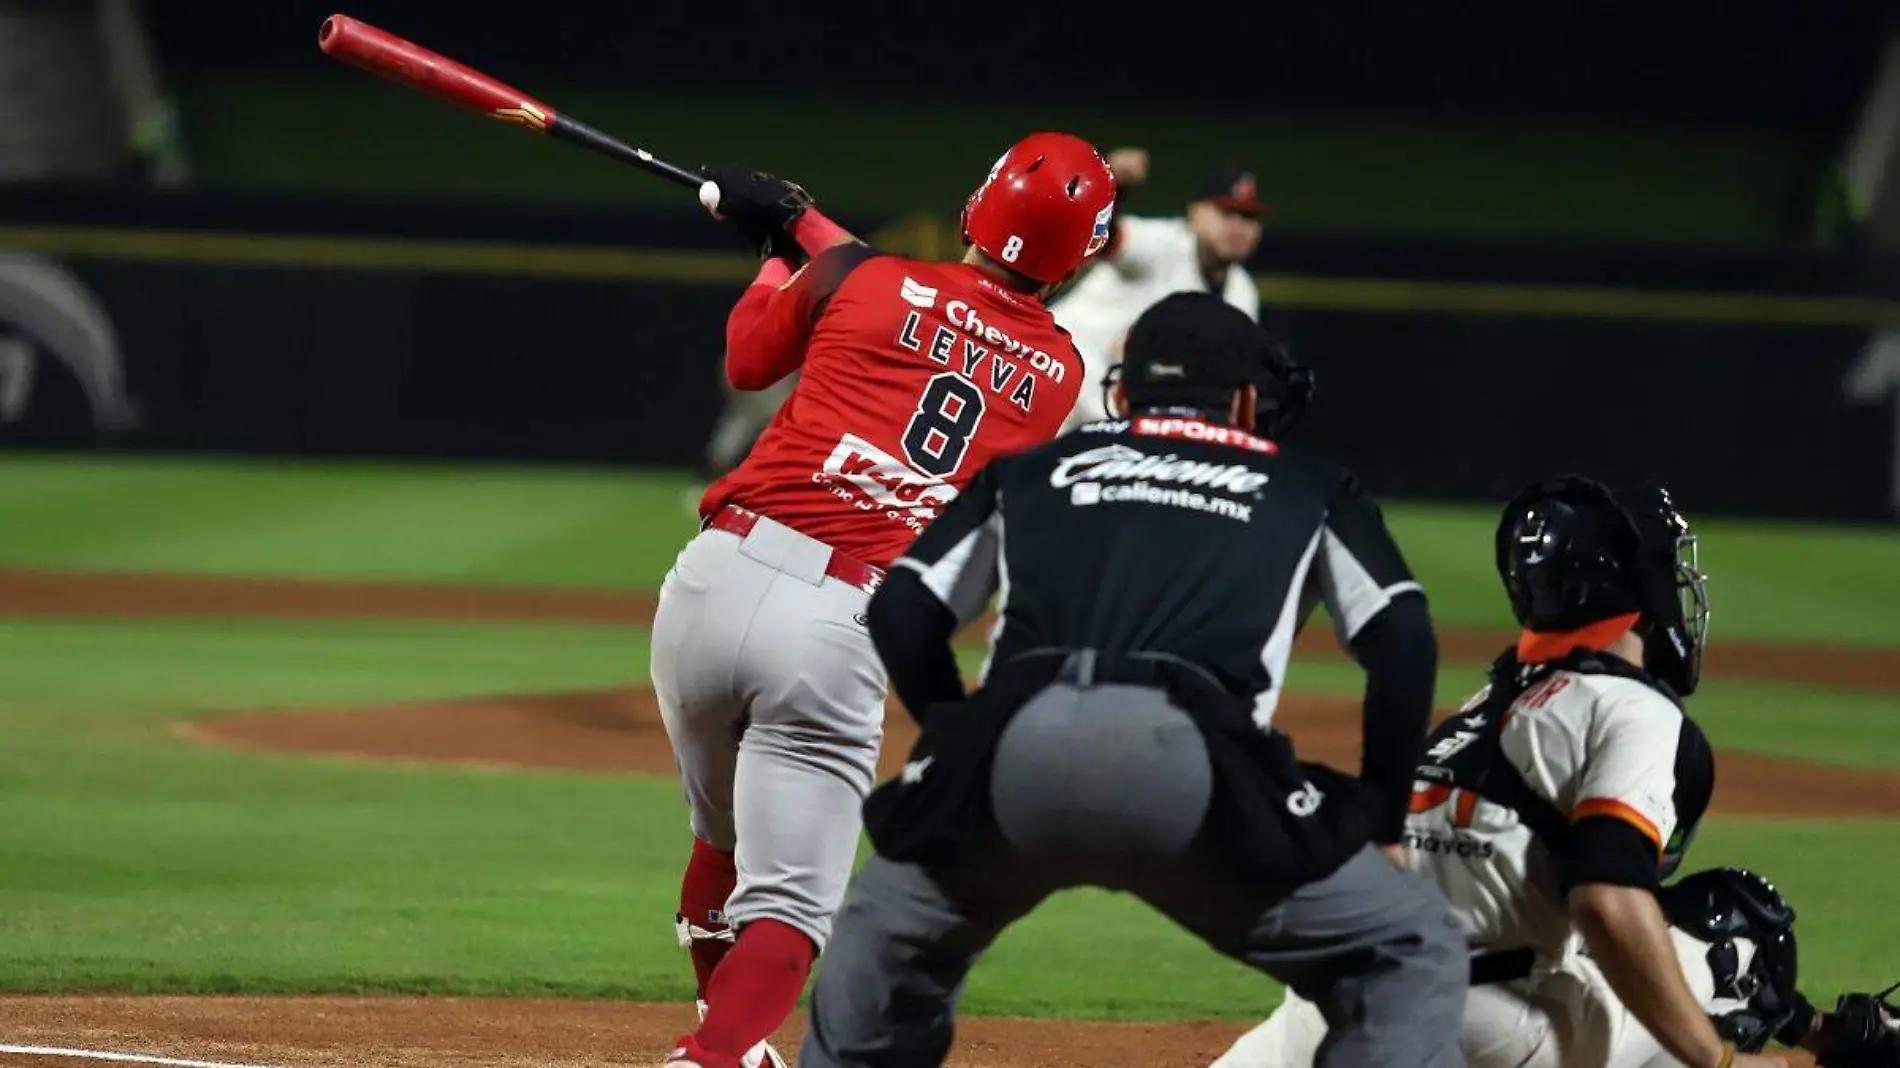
129	1058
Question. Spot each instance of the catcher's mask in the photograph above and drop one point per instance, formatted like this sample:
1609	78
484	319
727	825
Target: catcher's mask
1571	553
1676	592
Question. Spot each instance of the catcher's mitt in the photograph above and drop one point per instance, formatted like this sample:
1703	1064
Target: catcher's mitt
1862	1032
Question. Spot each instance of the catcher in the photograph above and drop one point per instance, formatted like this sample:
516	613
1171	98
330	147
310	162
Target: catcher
1733	934
1551	809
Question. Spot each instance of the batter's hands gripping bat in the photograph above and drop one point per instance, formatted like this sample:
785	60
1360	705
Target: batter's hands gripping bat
407	63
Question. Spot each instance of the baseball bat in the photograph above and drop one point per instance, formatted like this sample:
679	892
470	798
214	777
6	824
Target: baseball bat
407	63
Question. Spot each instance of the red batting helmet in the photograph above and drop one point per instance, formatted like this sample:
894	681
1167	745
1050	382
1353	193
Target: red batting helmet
1046	206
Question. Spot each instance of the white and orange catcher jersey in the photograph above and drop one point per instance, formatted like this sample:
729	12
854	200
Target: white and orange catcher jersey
1507	781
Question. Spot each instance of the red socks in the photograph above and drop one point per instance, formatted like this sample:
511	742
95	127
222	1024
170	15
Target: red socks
708	882
755	989
750	985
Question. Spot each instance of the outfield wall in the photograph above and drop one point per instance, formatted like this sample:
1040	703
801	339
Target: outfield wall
1752	383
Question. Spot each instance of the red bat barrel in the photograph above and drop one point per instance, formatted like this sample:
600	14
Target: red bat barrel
407	63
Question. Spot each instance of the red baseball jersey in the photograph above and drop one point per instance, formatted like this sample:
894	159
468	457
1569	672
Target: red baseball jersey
914	375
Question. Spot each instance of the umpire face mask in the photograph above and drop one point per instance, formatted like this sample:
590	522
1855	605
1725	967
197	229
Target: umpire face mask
1284	389
1110	402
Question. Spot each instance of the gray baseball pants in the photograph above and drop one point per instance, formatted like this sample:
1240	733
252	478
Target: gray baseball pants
773	699
1108	786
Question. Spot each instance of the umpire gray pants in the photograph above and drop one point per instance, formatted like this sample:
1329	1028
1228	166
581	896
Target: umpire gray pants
1108	786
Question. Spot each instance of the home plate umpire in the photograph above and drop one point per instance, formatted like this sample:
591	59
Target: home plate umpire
1153	571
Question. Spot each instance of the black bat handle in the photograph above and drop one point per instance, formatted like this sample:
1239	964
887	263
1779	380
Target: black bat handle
579	133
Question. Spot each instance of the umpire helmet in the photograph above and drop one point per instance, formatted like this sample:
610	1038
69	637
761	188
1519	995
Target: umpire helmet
1571	554
1749	928
1193	349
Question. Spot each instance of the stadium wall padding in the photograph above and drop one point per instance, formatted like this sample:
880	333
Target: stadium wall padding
1753	385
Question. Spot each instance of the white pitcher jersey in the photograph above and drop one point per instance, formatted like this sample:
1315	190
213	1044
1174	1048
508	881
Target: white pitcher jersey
1150	259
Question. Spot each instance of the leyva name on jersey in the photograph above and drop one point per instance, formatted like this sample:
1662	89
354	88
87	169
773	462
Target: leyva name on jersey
914	376
982	354
966	342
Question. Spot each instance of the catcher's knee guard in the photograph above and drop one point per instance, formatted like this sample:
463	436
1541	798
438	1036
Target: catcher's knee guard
1726	907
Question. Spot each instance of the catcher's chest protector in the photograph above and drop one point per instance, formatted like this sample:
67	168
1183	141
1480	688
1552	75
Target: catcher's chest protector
1466	752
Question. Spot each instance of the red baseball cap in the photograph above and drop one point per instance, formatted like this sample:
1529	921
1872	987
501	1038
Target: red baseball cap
1232	187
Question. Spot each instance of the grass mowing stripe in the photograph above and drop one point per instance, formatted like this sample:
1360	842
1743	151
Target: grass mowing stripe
163	669
1085	954
578	526
442	523
1790	721
179	865
48	669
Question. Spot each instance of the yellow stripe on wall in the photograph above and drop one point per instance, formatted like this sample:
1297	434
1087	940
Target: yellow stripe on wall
690	267
1594	302
382	254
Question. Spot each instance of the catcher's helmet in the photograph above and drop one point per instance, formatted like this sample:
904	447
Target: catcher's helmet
1046	206
1572	554
1749	928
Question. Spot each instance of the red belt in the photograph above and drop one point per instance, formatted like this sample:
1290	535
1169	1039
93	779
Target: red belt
736	520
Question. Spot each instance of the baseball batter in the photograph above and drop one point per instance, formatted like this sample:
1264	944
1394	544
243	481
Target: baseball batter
912	376
1551	807
1149	258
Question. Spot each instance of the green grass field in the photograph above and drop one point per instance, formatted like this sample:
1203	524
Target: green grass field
133	859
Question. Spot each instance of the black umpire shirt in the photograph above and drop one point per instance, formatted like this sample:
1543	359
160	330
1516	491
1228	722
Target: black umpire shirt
1168	534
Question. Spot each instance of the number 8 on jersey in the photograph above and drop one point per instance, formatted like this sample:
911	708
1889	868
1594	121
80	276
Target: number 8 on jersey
948	414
